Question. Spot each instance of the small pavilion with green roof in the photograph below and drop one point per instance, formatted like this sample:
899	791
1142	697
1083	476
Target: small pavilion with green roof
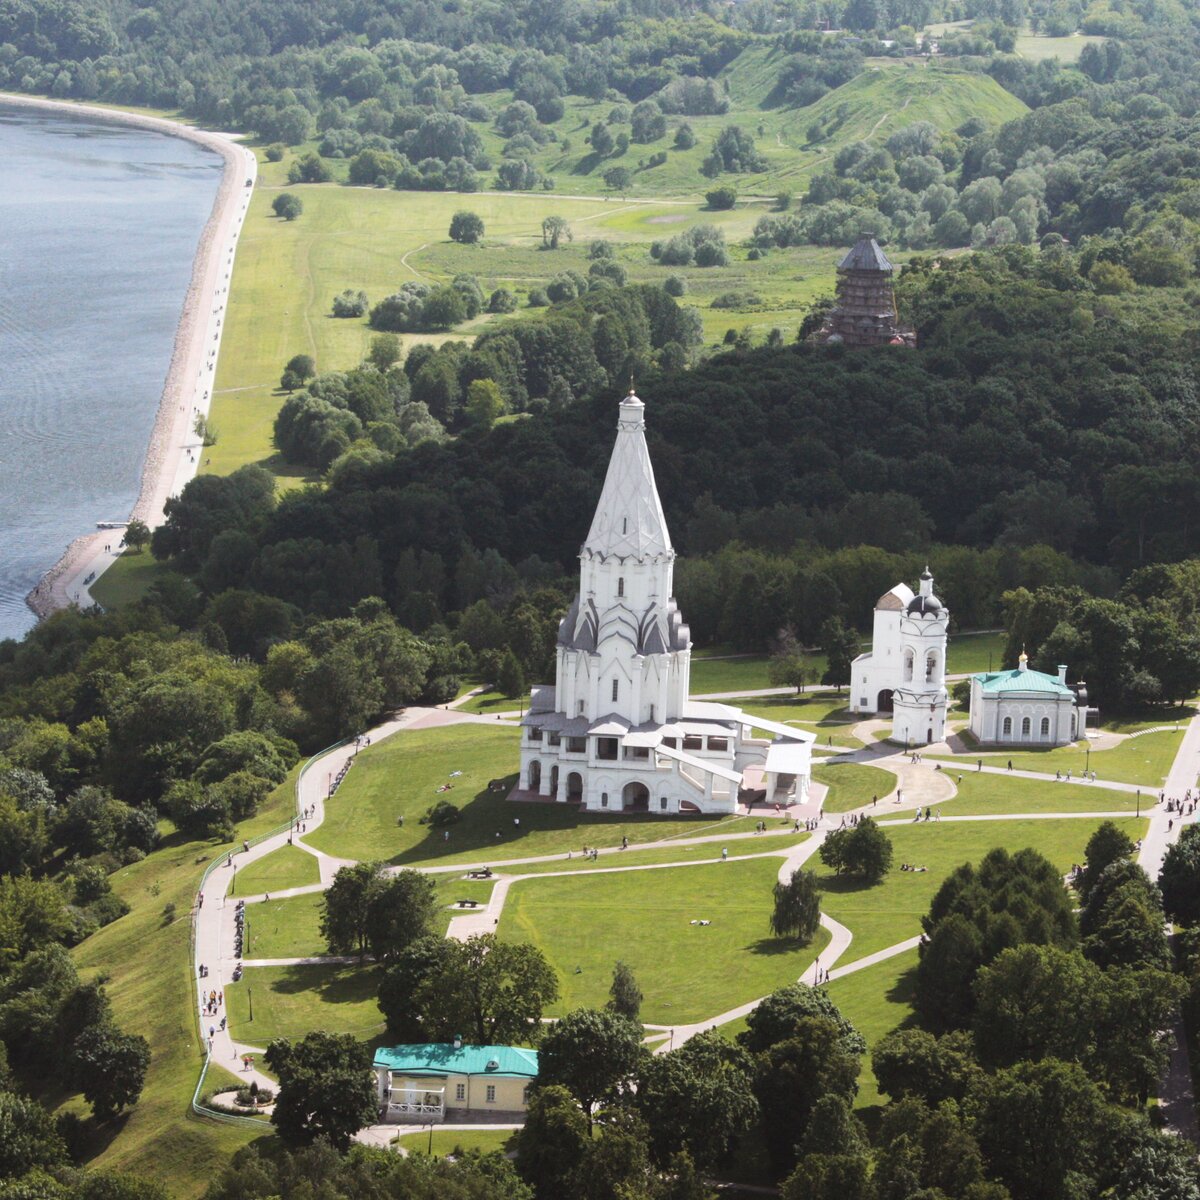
1024	707
430	1083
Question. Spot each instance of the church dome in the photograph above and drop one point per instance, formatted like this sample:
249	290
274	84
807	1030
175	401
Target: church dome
924	606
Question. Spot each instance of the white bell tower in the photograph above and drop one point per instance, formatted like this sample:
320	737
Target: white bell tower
919	700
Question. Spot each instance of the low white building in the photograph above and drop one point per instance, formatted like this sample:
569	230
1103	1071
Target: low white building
1025	708
904	672
618	732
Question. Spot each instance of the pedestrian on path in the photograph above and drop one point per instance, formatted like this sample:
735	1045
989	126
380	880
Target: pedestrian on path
724	853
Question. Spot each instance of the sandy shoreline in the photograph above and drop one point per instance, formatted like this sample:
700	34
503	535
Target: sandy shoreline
172	455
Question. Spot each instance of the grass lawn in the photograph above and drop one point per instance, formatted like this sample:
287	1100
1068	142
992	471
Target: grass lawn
969	653
875	1001
447	1141
287	867
292	1001
493	702
891	911
129	578
746	672
740	848
400	776
851	785
686	972
147	960
821	713
978	793
289	928
1141	760
1066	49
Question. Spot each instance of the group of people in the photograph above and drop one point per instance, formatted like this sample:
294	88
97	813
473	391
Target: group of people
924	814
911	867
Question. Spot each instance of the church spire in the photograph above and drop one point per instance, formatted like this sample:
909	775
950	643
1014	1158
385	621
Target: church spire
629	520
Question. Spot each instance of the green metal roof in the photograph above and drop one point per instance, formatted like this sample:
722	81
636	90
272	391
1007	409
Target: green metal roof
441	1058
1022	681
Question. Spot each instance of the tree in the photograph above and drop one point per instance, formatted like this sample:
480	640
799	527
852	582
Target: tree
287	206
863	850
1107	845
488	991
114	1069
347	902
797	911
485	402
602	139
840	646
137	535
777	1017
350	303
912	1062
29	1139
721	198
466	227
793	1075
1179	879
385	351
400	909
594	1055
555	230
787	666
618	179
326	1088
552	1142
299	370
510	679
624	996
697	1099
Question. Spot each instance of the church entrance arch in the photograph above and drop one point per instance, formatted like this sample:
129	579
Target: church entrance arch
635	797
883	702
535	775
574	787
554	782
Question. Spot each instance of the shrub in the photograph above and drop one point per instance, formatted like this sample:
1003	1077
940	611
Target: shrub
737	300
538	298
466	227
675	285
287	206
721	198
274	152
501	301
350	304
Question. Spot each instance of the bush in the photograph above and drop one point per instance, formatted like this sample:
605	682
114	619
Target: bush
309	168
350	304
721	198
737	300
675	285
538	298
466	227
685	138
287	206
274	152
501	301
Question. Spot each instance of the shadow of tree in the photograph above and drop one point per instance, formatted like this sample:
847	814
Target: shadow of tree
334	983
773	947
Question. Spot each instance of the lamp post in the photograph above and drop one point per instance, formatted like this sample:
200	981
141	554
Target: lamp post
430	1147
250	997
1139	802
1088	760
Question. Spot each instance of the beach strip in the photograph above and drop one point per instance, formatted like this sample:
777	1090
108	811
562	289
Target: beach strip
175	452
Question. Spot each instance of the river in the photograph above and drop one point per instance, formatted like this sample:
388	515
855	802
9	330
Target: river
98	229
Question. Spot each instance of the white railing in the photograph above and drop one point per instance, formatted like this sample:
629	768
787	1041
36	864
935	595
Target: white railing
427	1111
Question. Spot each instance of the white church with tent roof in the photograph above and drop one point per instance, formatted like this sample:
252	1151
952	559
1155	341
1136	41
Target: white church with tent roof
617	732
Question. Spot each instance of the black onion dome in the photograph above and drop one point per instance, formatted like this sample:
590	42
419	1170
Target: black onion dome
924	606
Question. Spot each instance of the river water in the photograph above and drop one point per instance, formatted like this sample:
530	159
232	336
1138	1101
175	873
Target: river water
98	228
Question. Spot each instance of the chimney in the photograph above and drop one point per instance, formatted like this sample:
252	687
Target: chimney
1062	674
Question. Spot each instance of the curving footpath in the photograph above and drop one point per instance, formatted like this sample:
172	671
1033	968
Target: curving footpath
917	786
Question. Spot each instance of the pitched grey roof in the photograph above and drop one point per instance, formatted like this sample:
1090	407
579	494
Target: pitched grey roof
865	256
629	520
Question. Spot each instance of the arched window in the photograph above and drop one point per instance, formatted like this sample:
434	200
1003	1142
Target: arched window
620	585
1026	726
603	799
616	685
930	666
1045	727
1007	726
908	666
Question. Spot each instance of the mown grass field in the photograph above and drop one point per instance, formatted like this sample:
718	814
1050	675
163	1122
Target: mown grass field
875	1001
294	1000
1143	760
851	785
701	852
400	776
287	867
447	1141
970	653
686	972
146	957
985	793
891	911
